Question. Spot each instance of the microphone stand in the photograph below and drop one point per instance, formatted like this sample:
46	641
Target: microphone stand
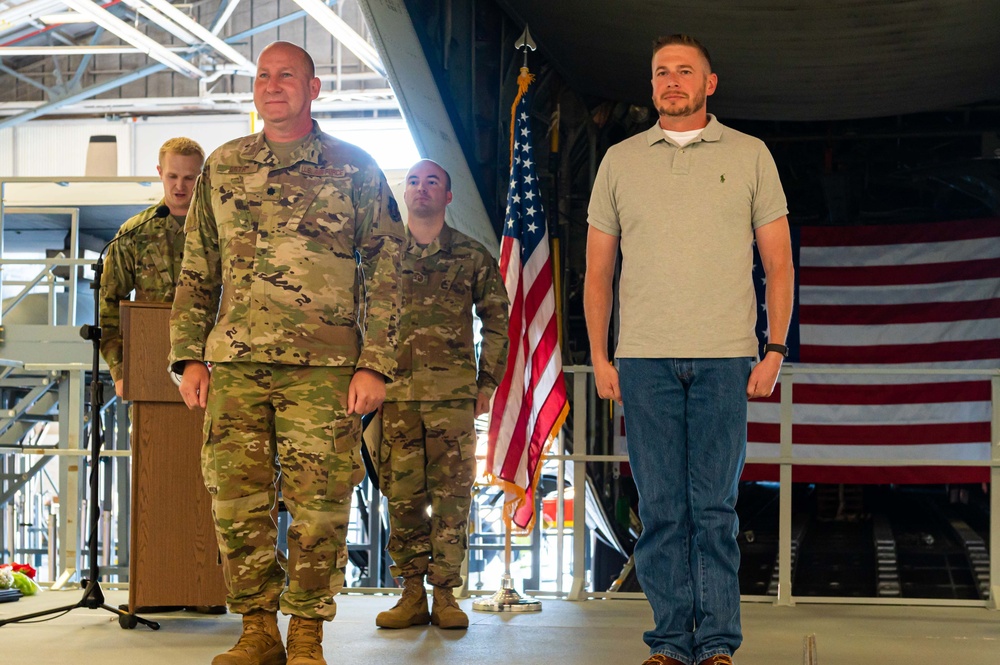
93	596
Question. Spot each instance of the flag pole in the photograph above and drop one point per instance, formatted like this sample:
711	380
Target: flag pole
506	598
527	412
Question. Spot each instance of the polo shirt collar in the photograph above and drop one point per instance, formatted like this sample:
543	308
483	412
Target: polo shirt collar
711	132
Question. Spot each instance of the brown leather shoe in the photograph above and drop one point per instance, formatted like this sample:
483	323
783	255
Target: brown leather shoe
660	659
717	659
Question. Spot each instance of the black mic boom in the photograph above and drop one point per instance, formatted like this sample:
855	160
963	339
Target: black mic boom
161	212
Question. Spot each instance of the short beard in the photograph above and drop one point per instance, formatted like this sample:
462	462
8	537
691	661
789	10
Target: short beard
687	110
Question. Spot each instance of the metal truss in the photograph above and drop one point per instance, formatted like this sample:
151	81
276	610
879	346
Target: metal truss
45	29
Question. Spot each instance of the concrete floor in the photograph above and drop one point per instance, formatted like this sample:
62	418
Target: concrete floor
595	632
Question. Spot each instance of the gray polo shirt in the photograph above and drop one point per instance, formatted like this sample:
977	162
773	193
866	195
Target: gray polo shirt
686	217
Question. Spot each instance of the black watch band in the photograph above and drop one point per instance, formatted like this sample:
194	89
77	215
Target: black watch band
779	348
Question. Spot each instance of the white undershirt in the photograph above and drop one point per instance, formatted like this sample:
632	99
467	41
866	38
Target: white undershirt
682	138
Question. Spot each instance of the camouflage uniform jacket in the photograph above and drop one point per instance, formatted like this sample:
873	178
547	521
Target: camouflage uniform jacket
269	272
147	260
441	283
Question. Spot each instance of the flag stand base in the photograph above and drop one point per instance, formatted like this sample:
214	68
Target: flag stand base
506	599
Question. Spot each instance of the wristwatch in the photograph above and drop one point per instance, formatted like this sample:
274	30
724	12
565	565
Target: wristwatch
778	348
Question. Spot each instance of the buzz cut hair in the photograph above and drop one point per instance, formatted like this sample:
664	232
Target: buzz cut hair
307	59
683	40
181	146
447	176
310	64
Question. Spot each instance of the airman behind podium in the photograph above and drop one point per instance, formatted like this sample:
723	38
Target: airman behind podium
147	251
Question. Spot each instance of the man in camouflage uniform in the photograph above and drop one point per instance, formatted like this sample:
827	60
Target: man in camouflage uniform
271	294
427	457
146	253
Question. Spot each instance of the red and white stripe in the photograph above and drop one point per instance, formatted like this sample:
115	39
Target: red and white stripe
530	404
918	296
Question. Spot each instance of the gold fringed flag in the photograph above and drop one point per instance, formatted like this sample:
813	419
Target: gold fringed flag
530	404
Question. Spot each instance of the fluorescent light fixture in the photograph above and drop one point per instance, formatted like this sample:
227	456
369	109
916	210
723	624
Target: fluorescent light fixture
343	33
16	15
64	18
123	30
83	49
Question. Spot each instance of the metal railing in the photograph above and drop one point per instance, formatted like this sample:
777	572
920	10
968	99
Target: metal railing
574	465
61	205
786	460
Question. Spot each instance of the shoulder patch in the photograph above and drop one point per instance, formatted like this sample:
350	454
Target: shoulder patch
394	209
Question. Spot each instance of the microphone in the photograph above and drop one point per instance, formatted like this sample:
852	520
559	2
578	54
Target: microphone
161	212
94	332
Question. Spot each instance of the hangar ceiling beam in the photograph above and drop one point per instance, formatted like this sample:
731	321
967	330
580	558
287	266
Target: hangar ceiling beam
74	83
27	79
50	107
202	33
155	17
228	102
224	14
112	23
87	93
28	11
427	114
343	33
81	49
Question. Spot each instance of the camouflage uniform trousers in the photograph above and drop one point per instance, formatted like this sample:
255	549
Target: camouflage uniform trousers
263	419
428	459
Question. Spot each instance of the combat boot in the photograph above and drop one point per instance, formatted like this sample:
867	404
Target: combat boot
260	643
305	641
411	610
446	613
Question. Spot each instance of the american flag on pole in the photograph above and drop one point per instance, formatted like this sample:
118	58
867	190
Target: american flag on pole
914	296
530	404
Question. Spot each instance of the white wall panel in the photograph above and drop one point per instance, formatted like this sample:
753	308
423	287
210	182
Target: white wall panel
59	147
209	131
6	152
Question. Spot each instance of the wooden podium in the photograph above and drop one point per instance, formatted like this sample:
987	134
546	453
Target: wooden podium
174	557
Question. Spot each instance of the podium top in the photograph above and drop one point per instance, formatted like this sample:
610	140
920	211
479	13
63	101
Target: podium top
146	345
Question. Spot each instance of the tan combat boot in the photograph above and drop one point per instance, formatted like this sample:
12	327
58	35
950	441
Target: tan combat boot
305	641
260	643
446	613
411	610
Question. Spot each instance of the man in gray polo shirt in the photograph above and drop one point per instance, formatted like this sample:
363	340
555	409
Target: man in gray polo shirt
685	201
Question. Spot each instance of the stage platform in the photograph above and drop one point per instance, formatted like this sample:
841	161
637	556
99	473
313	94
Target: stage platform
593	632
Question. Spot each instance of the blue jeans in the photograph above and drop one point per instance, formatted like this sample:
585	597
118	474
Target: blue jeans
686	429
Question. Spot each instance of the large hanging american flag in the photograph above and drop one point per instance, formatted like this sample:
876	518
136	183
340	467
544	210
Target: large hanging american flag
914	296
530	404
